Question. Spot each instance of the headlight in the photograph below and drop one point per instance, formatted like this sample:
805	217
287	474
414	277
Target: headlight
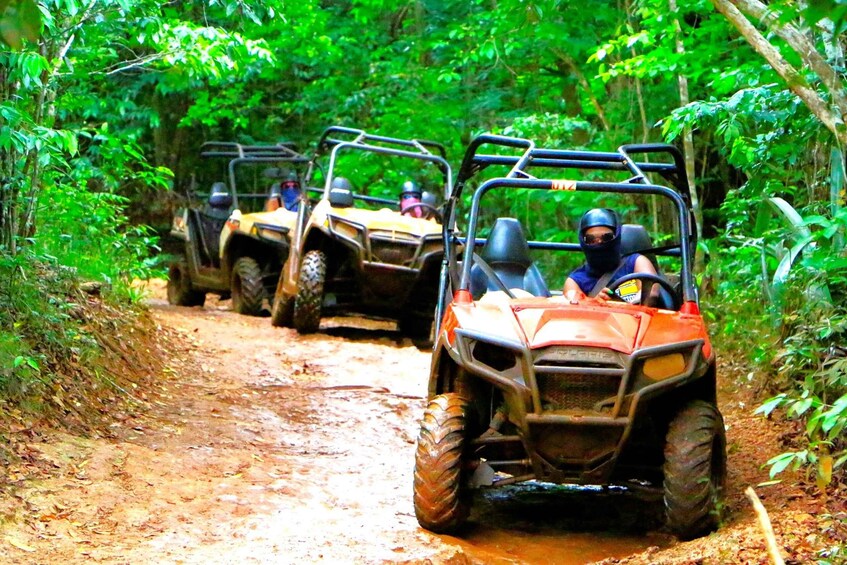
344	229
271	234
663	367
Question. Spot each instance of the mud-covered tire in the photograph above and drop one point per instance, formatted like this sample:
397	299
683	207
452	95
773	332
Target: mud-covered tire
180	290
310	292
441	497
282	311
695	470
248	291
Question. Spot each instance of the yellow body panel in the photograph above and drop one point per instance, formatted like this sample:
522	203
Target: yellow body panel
376	220
246	222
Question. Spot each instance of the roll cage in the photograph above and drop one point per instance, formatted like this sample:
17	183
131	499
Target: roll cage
239	154
519	177
337	138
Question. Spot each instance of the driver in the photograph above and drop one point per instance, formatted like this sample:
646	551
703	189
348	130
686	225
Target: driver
291	192
410	194
600	240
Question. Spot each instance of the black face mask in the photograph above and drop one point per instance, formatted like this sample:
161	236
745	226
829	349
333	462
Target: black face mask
602	257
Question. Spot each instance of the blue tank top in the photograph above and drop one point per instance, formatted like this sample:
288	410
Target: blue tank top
586	280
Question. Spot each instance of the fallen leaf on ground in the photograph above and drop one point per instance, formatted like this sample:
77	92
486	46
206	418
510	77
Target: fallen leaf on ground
20	544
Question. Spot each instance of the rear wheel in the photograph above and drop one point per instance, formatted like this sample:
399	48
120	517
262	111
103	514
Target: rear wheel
180	291
310	292
442	498
282	311
695	470
248	292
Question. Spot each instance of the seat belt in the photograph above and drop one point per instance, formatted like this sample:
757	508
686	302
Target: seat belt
606	277
489	272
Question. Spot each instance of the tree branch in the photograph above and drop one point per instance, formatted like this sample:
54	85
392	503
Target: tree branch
802	46
571	64
789	74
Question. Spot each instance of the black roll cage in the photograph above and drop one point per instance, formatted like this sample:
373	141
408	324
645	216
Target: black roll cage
284	151
337	138
519	177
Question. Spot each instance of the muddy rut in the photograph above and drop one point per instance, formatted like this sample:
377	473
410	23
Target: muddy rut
263	446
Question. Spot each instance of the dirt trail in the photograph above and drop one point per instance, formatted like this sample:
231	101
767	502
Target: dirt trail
264	446
259	445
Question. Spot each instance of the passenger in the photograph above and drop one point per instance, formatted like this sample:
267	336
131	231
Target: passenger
291	192
284	195
600	240
410	194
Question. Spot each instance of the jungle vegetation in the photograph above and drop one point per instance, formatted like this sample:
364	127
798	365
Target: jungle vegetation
104	103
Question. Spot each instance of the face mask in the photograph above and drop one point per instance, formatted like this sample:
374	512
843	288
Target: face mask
409	199
290	197
602	257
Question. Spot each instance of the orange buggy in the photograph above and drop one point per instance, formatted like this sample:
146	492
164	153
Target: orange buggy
528	385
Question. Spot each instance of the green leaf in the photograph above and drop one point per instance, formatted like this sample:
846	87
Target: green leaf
771	404
780	463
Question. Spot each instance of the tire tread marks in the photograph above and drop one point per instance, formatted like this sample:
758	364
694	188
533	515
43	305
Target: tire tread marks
441	499
247	296
695	469
310	292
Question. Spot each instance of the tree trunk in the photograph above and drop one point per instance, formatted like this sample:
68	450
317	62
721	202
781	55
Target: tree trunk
687	136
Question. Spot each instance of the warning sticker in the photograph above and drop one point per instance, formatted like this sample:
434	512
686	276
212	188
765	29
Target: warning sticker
629	291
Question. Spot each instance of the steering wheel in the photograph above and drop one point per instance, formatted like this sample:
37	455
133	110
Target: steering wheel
676	303
429	210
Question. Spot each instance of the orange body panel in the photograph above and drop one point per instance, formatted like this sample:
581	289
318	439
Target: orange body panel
542	322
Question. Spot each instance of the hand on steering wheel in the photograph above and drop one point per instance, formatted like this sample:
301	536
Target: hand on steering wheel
429	210
646	288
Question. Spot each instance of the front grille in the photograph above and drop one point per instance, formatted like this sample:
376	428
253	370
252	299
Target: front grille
575	392
393	252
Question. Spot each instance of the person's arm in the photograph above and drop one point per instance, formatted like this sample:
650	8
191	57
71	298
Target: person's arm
645	265
572	291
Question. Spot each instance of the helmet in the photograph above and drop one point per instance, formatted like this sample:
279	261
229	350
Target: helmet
410	188
341	183
291	181
600	217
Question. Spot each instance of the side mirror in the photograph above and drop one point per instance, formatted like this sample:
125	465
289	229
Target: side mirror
340	197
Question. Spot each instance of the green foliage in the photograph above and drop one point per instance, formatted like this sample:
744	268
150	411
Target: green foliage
19	20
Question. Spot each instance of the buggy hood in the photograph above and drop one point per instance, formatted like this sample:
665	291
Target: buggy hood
542	322
386	220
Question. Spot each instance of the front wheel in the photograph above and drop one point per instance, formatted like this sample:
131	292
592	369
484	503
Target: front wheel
695	470
310	292
180	290
248	291
442	498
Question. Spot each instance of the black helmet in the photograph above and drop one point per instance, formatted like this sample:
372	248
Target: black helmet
341	183
410	188
600	217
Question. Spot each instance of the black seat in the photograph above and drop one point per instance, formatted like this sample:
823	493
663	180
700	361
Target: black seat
210	222
507	253
635	239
